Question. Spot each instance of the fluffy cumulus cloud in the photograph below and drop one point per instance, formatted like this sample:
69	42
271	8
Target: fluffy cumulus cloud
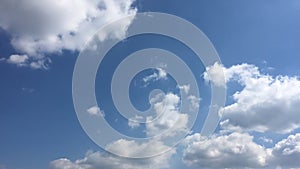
167	120
19	60
98	160
236	150
215	74
50	26
148	155
265	103
170	120
134	149
126	148
95	111
286	153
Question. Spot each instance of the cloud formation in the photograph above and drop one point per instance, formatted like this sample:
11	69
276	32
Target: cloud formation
98	160
236	150
184	88
95	111
50	26
133	122
158	75
265	103
286	153
170	120
134	149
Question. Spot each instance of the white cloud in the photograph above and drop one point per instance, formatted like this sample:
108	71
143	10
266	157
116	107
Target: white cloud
265	103
26	61
236	150
162	74
98	160
262	97
134	122
20	60
184	88
219	75
130	148
169	117
49	26
64	163
159	75
241	73
286	153
215	74
95	111
194	102
266	140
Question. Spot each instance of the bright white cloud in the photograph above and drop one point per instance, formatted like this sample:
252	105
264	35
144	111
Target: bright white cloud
122	147
286	153
64	163
49	26
215	74
26	61
95	111
236	150
169	119
265	103
20	60
97	160
159	75
130	148
219	75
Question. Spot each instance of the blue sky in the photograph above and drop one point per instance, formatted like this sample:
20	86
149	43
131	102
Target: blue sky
257	42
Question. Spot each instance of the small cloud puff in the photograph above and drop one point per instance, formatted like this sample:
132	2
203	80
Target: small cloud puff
95	111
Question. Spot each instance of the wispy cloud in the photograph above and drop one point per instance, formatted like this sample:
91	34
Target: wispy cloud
159	75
